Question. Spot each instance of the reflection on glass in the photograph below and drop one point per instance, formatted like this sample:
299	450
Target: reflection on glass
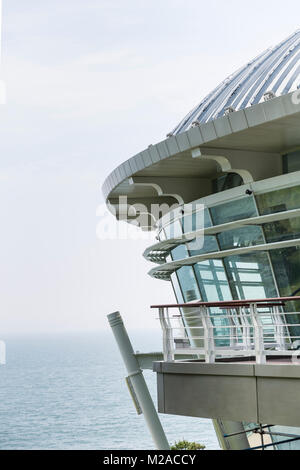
209	245
214	287
228	181
282	230
240	237
286	263
250	276
173	230
279	200
161	236
212	280
176	288
187	281
233	210
180	252
196	221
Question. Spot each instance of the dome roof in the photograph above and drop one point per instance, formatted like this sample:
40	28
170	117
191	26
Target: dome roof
277	71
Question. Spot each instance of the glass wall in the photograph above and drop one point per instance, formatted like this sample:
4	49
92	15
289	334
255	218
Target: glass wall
257	274
291	162
250	276
278	200
228	181
212	280
233	210
188	284
254	275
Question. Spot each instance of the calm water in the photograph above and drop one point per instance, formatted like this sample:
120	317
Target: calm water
68	392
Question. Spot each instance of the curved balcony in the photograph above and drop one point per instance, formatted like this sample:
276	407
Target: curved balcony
164	271
241	328
158	252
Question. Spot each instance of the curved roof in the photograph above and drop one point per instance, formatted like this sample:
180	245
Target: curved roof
276	70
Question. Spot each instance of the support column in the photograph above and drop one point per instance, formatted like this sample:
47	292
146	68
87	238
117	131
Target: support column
138	382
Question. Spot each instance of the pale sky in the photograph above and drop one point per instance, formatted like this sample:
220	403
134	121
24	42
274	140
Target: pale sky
89	84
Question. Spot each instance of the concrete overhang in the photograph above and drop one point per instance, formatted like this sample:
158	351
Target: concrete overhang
181	168
241	391
271	127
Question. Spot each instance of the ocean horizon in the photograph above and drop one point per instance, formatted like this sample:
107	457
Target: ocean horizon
67	391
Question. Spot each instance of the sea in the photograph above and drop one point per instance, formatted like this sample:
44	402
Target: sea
67	391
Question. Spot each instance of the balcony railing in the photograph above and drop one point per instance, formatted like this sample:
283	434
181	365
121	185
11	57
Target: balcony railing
256	327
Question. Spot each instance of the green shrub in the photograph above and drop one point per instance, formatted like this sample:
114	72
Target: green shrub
186	445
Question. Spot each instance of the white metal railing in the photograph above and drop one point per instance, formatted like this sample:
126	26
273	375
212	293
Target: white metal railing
228	329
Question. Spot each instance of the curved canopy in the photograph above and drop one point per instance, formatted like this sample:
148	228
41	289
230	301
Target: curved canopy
277	70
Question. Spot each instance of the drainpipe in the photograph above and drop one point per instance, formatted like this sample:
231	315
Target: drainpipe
137	381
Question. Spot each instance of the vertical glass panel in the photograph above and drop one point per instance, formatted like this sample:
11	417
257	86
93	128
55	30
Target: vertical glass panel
244	236
282	230
180	252
279	200
286	264
195	221
173	230
211	278
214	287
291	162
250	276
228	181
209	245
176	288
161	236
233	210
187	281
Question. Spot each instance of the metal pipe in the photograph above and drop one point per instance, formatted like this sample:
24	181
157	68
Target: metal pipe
138	382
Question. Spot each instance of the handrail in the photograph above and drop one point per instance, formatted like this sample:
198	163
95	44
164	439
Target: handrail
230	303
250	327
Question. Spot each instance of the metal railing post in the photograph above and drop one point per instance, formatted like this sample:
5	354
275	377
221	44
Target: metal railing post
279	328
258	335
209	343
168	348
169	338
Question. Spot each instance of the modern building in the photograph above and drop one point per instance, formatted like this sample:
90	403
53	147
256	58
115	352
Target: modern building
226	182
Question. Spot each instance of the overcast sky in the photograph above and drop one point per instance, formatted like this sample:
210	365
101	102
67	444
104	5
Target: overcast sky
89	84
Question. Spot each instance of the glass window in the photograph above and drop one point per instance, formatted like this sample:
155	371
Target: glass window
176	288
161	236
228	181
196	221
173	230
180	252
279	200
286	264
187	281
214	287
209	245
291	162
212	280
250	276
244	236
282	230
233	210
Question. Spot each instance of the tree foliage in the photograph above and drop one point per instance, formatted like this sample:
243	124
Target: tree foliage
186	445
